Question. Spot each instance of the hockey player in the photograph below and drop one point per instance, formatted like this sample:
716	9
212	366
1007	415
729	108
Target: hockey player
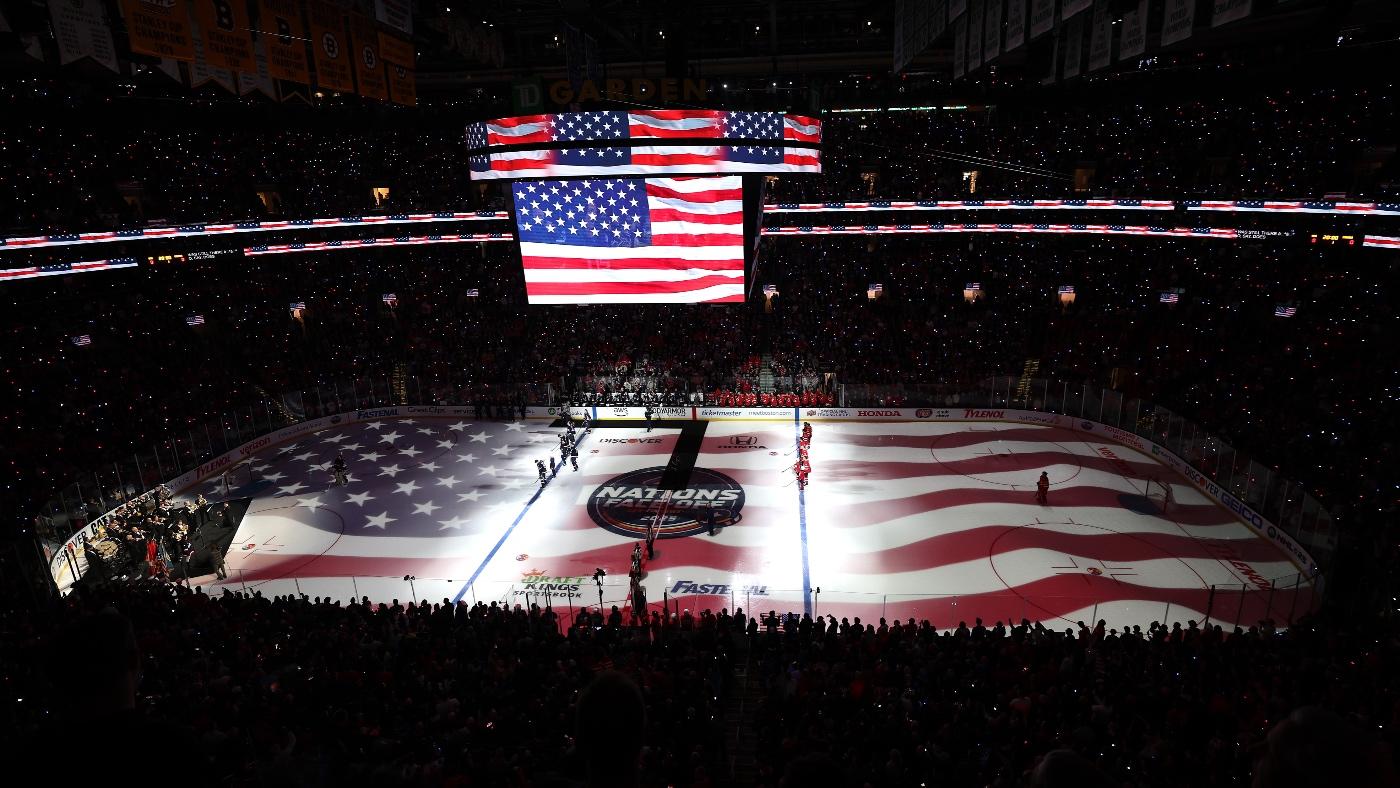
806	432
1042	489
338	467
539	466
573	457
647	415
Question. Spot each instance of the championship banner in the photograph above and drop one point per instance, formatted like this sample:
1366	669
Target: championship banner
1134	41
402	87
283	34
991	31
202	72
396	50
1015	24
1072	7
223	27
261	81
330	48
81	30
1074	47
1230	10
1177	21
369	69
960	47
974	35
159	27
397	14
1100	37
1042	17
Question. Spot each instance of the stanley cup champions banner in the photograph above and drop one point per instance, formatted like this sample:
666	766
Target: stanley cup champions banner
330	47
159	27
284	35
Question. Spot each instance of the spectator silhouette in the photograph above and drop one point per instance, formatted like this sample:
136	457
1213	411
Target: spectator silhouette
611	725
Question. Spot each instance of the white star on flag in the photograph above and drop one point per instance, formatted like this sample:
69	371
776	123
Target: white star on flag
412	452
459	426
389	437
425	508
359	498
304	456
275	477
444	444
467	457
406	488
488	470
516	426
371	456
503	451
379	521
310	503
425	430
455	523
429	466
472	496
447	481
389	470
291	489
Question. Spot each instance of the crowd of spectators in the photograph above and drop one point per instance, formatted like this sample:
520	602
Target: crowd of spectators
73	161
240	689
1203	142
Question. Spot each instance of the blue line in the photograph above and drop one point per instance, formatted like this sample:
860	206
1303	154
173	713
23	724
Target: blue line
511	529
802	519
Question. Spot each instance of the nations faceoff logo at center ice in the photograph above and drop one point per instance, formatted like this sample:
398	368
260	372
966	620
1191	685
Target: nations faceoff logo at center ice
631	503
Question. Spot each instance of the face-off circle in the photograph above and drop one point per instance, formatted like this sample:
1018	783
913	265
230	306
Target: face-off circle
633	502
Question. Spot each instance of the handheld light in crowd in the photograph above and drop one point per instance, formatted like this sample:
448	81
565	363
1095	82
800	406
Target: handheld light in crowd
972	292
391	300
1066	295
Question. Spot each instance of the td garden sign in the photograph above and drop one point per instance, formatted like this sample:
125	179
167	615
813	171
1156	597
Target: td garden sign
630	504
532	95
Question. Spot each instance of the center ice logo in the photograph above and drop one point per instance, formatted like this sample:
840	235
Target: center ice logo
629	504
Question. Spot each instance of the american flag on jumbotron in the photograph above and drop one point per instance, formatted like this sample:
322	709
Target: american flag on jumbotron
572	148
973	286
194	320
1169	297
1066	289
632	240
1285	310
473	292
298	305
82	340
391	299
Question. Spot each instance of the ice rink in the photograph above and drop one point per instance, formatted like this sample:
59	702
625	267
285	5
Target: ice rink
930	520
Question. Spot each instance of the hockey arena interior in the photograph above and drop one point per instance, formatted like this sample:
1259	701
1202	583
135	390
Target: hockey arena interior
607	393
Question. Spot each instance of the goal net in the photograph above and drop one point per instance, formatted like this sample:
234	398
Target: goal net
1159	494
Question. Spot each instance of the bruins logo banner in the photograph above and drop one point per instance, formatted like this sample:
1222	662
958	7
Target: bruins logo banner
330	48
